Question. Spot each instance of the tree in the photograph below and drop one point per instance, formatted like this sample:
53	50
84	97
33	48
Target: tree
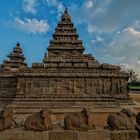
132	76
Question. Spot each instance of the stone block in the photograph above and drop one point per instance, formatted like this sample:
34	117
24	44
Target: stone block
10	136
94	134
124	135
38	136
45	135
63	135
28	135
132	135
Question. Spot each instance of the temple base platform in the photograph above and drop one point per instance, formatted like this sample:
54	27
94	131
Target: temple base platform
101	134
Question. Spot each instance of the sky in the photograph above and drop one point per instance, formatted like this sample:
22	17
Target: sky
109	29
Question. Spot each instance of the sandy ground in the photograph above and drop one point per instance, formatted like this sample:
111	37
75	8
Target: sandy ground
135	96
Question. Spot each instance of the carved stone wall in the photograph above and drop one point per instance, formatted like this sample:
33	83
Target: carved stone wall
8	86
33	86
39	85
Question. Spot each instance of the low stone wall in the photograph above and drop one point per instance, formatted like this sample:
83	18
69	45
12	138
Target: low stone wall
18	134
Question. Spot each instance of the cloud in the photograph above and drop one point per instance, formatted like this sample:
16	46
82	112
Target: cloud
51	2
127	67
99	38
29	6
124	49
136	25
107	15
88	4
56	4
60	8
31	26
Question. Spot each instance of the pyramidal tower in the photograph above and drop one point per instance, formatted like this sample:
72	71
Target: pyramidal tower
66	49
65	43
16	59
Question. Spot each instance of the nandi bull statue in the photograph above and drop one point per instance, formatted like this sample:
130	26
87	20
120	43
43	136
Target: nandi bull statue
78	121
121	120
6	119
39	122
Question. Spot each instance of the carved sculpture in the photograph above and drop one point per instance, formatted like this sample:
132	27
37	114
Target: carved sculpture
78	120
137	127
39	122
121	120
6	119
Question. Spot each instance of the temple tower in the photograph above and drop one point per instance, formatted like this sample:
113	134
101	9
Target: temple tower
65	40
16	59
66	49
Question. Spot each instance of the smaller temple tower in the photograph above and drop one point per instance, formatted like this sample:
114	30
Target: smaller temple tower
16	59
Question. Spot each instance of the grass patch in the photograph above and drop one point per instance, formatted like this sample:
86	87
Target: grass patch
134	88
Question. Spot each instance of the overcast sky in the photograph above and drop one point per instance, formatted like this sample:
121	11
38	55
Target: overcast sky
110	29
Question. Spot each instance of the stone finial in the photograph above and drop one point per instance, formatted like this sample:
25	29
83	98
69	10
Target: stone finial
66	10
18	44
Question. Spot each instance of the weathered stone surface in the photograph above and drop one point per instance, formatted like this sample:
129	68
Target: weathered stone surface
78	121
16	60
121	120
39	136
137	127
11	135
63	135
40	121
94	135
45	135
28	135
6	119
100	134
124	135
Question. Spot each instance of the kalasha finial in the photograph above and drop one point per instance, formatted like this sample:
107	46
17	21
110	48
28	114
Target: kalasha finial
18	44
66	10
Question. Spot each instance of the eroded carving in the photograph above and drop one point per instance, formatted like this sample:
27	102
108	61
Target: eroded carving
121	120
78	121
138	124
39	122
6	119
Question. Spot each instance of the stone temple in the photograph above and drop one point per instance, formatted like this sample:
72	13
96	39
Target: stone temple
66	81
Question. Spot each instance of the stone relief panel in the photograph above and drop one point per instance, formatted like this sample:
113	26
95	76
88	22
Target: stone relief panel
114	86
106	86
8	87
119	88
123	86
89	86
